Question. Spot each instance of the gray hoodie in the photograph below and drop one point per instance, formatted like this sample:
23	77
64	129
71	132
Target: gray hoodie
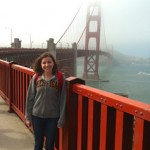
45	100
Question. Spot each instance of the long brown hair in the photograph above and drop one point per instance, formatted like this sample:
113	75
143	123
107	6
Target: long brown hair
37	64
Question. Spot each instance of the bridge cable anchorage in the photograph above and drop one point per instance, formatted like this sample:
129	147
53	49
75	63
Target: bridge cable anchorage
69	24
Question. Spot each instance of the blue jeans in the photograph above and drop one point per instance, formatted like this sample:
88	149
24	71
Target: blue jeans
44	127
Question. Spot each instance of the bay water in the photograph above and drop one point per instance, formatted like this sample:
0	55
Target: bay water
132	80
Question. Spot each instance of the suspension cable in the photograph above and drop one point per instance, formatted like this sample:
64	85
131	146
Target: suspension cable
69	25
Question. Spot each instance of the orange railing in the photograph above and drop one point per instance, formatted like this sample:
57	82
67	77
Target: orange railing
107	121
95	119
5	82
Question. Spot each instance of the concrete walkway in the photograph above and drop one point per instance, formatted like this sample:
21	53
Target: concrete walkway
14	135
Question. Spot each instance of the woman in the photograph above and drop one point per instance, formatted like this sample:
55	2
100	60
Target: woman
45	103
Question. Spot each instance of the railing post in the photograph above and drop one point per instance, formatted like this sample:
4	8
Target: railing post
10	110
69	141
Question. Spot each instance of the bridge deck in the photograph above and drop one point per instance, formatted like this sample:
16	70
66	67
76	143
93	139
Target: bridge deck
14	135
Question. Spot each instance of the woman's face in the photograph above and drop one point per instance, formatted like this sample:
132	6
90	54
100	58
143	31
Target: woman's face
47	64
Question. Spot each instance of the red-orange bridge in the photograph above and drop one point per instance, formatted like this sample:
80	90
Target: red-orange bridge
96	119
66	57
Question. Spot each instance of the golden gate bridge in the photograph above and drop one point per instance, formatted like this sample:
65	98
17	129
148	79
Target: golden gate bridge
84	37
96	119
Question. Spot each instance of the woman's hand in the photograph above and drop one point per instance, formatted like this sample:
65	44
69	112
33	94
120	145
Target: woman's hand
28	123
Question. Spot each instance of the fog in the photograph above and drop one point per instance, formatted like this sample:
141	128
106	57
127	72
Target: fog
126	23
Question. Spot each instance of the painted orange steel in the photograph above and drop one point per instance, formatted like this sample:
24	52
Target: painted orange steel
90	62
139	130
79	132
6	82
124	109
90	124
103	127
119	130
5	73
95	119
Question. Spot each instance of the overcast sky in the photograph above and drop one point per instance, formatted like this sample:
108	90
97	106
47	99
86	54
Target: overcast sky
126	22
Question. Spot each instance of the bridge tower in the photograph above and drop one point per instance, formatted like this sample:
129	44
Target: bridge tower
91	62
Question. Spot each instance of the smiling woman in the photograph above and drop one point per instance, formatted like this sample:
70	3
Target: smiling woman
45	103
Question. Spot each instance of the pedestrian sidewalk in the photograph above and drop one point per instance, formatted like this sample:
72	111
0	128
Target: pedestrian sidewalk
14	135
